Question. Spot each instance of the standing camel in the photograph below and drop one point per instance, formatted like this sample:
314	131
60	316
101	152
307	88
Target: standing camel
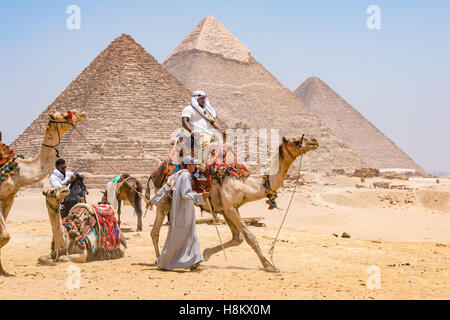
128	189
230	194
35	169
66	248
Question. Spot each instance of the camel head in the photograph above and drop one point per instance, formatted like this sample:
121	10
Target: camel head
56	196
66	119
296	146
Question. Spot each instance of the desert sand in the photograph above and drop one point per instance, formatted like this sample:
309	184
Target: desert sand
404	233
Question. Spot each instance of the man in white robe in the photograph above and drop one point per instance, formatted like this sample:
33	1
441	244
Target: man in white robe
182	248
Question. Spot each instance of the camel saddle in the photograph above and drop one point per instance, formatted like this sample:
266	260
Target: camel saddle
7	162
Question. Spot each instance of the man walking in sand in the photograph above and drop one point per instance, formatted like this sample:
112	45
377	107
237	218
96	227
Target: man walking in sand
199	120
182	248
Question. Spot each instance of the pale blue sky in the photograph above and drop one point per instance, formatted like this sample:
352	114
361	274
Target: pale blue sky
397	77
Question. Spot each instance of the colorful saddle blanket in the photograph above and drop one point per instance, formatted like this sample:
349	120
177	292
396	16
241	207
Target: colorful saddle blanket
7	162
110	235
221	161
81	225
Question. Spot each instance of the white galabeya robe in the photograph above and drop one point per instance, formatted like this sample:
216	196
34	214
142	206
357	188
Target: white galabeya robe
182	248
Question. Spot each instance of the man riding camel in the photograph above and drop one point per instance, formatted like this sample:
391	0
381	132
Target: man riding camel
199	119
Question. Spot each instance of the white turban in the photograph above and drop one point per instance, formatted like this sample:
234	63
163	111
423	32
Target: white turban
211	113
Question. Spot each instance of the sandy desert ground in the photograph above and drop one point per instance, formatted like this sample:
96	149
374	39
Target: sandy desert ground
404	233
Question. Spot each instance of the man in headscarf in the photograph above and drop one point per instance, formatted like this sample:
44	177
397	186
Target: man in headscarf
182	248
61	177
199	120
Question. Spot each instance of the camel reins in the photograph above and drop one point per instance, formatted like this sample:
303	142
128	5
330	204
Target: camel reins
290	201
59	135
106	161
112	168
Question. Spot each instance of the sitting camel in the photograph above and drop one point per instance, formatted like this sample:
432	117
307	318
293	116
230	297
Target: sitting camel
35	169
69	248
230	194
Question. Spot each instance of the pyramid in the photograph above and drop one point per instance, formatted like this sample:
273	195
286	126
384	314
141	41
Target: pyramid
133	105
243	92
371	145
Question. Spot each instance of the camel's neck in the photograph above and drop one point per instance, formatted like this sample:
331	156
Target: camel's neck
60	235
279	169
35	169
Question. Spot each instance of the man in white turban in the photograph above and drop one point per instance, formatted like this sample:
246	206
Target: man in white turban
199	120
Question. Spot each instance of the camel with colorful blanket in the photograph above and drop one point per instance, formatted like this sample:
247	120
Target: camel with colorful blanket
89	232
17	172
231	191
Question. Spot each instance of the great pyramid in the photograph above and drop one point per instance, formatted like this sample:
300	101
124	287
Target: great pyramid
371	145
211	59
133	105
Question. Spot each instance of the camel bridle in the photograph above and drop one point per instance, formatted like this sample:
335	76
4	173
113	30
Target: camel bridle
52	195
57	123
286	144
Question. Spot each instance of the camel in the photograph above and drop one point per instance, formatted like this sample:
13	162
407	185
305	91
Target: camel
126	191
227	196
35	169
65	247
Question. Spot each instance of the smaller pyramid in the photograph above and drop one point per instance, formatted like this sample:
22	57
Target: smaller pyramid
213	37
133	106
371	145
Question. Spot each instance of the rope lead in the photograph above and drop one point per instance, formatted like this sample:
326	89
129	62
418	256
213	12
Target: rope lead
112	168
287	210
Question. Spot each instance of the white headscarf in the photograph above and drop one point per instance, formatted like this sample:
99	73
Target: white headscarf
210	113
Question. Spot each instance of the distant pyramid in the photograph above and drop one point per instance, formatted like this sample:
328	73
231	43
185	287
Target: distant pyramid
371	145
211	36
211	59
133	105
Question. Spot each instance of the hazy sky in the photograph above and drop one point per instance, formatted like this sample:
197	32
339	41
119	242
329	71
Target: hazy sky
398	77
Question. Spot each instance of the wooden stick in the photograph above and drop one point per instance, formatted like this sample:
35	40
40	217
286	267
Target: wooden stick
217	229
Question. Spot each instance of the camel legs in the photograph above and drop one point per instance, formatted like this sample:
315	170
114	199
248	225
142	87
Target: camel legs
46	260
159	218
139	218
119	211
235	218
236	240
75	257
139	222
5	207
